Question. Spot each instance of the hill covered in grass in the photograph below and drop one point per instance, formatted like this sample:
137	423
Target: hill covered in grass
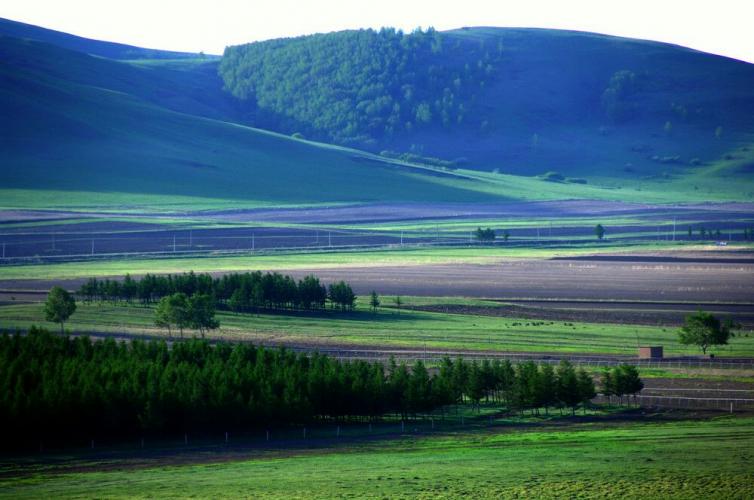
79	130
524	101
88	46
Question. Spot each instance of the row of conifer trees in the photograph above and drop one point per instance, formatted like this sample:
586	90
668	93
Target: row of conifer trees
52	385
241	292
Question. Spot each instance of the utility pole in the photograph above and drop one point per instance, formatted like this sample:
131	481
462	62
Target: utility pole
673	228
329	239
173	243
401	238
253	242
53	242
92	246
191	238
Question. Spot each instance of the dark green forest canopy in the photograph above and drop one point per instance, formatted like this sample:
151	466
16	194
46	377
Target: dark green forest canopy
61	387
354	86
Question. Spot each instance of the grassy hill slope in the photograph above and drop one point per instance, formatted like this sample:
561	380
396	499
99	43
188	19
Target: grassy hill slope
95	47
74	125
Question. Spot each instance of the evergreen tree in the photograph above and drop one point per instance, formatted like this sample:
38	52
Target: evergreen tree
586	387
374	301
568	386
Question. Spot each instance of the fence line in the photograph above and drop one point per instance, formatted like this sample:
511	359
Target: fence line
586	362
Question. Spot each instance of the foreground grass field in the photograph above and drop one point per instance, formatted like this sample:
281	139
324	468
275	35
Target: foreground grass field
598	460
388	327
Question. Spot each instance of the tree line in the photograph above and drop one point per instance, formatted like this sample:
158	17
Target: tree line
52	385
241	292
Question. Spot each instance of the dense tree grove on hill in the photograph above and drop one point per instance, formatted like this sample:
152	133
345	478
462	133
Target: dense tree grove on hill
241	292
616	100
356	86
60	386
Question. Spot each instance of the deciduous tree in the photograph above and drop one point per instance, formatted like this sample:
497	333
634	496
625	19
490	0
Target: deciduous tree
704	330
59	306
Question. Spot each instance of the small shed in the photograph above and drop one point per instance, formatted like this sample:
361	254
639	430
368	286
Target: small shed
650	352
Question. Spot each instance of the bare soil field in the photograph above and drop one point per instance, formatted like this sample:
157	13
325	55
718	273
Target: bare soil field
692	281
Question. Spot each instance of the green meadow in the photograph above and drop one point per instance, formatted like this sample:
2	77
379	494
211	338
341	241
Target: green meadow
388	327
590	460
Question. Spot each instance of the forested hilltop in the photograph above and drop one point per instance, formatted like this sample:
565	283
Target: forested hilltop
525	101
359	86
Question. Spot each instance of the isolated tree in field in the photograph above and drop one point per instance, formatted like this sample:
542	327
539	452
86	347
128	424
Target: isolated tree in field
484	235
599	231
506	235
704	330
374	301
60	305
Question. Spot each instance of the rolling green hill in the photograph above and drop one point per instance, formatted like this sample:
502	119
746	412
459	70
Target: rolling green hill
524	101
82	125
88	129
